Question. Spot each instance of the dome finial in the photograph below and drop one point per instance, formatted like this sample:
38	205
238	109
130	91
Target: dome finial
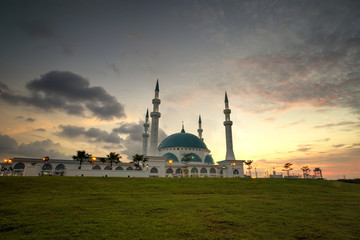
182	129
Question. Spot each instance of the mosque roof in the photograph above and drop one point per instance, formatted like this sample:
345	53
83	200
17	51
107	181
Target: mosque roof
182	139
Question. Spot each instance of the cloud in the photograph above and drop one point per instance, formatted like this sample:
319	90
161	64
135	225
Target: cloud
303	149
343	123
37	28
133	141
40	130
30	119
3	86
8	146
338	145
69	92
91	134
113	67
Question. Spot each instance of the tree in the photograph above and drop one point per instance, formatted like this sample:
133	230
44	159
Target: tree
186	159
139	160
248	164
306	170
81	156
113	158
287	167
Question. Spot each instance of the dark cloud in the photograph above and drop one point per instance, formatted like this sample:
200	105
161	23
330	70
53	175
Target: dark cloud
37	28
35	149
338	145
114	68
7	144
40	130
133	141
3	86
29	119
92	134
71	93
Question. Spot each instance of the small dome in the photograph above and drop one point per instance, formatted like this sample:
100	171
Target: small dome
182	139
209	160
170	156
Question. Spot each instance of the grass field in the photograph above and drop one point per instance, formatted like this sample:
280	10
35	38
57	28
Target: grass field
166	208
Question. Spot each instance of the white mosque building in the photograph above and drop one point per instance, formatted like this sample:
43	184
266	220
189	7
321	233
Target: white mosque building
180	154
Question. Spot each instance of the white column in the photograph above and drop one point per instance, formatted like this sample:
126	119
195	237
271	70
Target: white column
155	115
146	134
228	133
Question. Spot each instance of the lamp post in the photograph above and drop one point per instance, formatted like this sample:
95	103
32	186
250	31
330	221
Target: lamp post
93	159
170	162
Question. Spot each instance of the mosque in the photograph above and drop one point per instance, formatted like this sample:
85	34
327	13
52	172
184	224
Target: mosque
180	154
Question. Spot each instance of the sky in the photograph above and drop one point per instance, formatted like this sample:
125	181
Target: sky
79	75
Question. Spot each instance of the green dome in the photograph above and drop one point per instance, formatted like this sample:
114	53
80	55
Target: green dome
182	139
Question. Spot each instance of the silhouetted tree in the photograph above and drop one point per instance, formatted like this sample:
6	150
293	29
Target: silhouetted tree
139	160
113	158
287	167
306	170
248	164
81	156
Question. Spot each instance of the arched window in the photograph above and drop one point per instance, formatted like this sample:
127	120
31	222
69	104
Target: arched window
236	172
194	170
107	168
154	170
212	170
97	167
129	169
119	168
60	167
47	167
178	171
19	166
169	171
203	170
221	171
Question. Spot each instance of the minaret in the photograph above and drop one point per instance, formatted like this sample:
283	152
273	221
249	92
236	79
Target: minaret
146	134
155	115
227	123
200	131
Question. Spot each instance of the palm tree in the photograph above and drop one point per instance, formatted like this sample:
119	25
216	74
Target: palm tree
287	167
306	171
248	164
113	157
139	160
81	156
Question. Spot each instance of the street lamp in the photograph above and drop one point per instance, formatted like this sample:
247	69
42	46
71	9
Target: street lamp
93	159
170	162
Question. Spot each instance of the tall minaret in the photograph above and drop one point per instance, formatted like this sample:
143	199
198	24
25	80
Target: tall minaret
155	115
200	131
227	123
146	134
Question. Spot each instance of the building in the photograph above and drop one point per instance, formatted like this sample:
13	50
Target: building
180	154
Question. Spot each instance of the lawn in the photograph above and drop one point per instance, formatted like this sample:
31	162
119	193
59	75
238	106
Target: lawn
168	208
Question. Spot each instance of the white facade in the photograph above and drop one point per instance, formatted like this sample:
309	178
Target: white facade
179	155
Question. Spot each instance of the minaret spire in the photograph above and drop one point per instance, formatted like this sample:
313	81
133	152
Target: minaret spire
200	131
155	115
227	123
146	134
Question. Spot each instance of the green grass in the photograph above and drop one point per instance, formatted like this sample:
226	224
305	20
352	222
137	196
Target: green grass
165	208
